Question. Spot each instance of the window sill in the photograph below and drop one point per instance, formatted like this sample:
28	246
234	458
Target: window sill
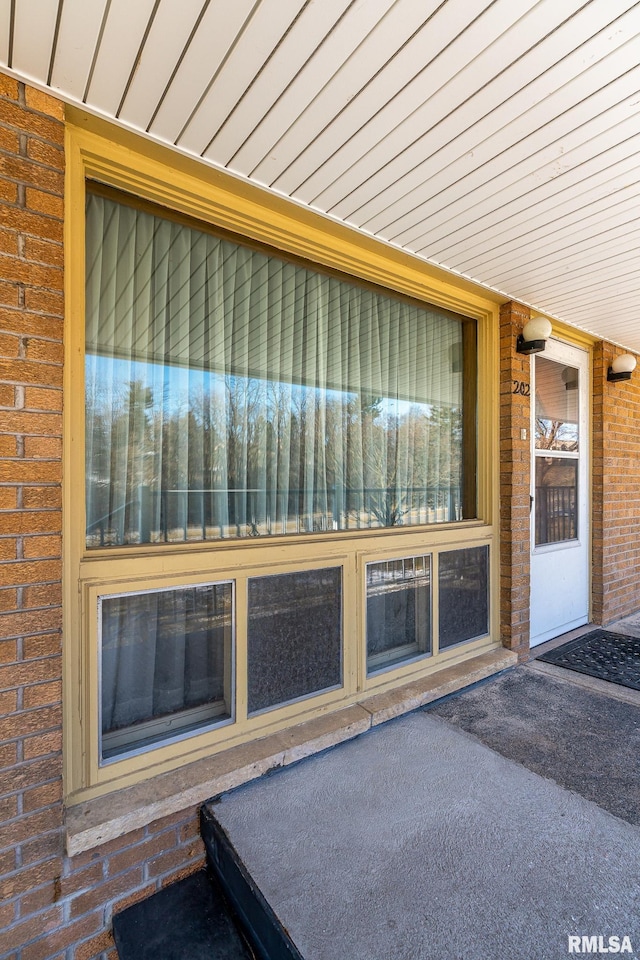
98	821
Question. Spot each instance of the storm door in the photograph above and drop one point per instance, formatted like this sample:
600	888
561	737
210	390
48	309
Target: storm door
559	492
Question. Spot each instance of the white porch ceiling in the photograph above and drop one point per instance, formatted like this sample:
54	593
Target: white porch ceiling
500	140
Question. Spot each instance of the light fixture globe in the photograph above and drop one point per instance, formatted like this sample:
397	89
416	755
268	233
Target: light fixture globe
621	368
534	336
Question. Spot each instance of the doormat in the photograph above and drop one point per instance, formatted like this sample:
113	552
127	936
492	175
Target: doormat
607	656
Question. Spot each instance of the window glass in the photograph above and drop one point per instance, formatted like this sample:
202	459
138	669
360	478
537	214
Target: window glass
556	406
556	502
463	582
232	394
398	611
294	638
557	450
165	664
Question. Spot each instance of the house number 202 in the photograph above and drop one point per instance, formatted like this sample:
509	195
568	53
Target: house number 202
522	388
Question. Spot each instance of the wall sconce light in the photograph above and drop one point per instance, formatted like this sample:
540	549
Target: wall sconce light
621	368
533	338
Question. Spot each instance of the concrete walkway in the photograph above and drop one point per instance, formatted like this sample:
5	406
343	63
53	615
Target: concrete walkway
417	841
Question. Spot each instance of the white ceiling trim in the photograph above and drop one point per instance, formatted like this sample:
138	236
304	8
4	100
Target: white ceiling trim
497	139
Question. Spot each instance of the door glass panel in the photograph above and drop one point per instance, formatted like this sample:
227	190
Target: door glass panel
556	499
556	424
556	434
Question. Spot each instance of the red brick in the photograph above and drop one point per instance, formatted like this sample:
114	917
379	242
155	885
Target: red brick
9	346
8	601
30	827
7	914
44	103
8	445
24	422
30	721
43	448
41	694
39	898
81	880
136	897
40	797
44	301
34	324
44	251
45	851
42	202
52	155
48	351
48	645
9	140
21	933
133	856
179	859
8	87
7	545
92	948
33	571
27	172
8	648
49	497
109	848
7	395
8	191
43	745
29	521
34	373
9	242
37	398
22	674
64	938
8	297
42	547
16	270
37	224
8	808
8	701
42	595
99	895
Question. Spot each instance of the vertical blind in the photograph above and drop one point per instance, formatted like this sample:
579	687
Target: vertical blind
232	393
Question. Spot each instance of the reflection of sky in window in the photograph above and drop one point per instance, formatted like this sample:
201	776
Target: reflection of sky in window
565	432
173	387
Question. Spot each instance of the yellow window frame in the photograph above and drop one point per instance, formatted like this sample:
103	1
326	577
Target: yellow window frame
98	151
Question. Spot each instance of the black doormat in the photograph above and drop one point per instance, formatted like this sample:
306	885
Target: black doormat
608	656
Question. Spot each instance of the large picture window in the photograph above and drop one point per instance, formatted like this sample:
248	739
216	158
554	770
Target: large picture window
231	393
280	432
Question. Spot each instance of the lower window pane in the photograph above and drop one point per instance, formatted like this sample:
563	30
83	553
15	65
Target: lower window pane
294	636
398	611
463	595
555	500
166	664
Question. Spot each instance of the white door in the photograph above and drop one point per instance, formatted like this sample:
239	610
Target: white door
559	491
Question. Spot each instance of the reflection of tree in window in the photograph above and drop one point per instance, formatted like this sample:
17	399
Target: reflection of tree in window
230	393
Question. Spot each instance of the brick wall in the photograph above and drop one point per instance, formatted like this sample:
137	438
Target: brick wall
50	906
515	484
616	491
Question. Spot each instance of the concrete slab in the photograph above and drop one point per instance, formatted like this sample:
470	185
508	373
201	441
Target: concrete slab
417	842
582	738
